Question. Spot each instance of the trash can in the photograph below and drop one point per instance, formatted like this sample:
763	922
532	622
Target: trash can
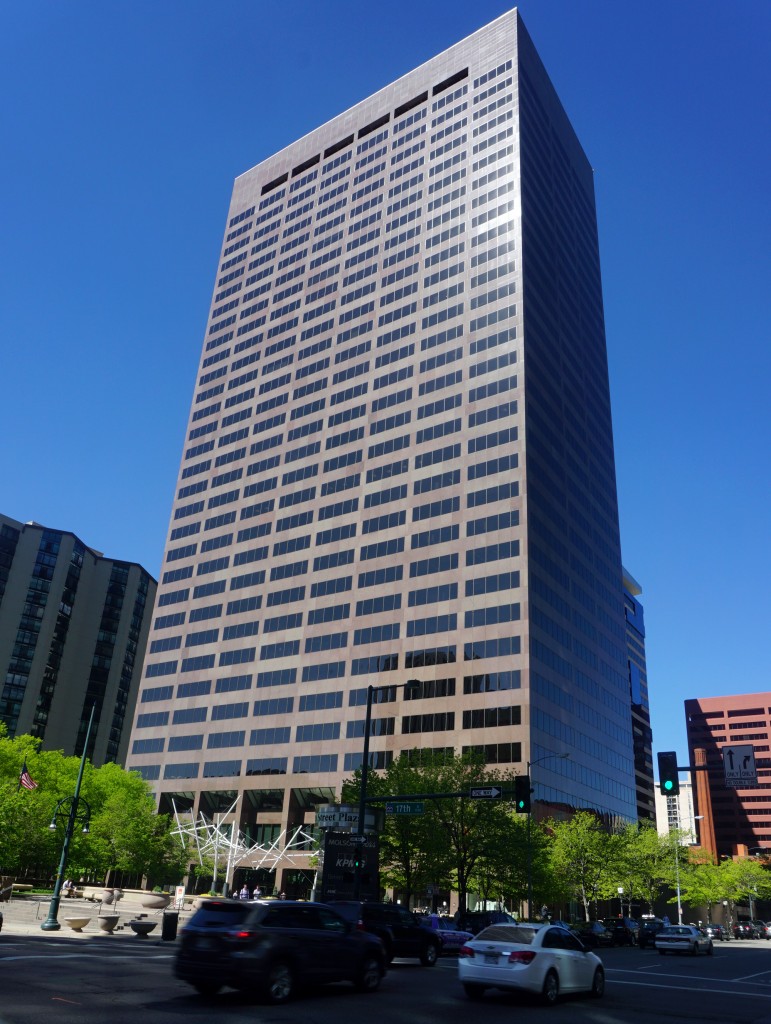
169	926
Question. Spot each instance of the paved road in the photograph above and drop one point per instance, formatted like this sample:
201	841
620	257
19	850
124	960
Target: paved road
70	980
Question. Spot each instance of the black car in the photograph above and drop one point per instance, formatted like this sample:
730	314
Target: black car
400	931
745	930
475	920
625	930
593	934
274	948
717	931
649	929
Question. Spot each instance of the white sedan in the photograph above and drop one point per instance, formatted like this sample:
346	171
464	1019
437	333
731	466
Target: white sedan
683	938
544	959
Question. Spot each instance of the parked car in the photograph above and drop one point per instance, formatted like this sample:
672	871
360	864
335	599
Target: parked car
717	931
744	930
1	920
275	948
475	920
625	930
451	938
649	929
683	938
397	928
762	930
593	934
544	959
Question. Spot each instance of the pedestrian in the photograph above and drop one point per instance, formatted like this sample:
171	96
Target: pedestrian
244	892
282	895
257	892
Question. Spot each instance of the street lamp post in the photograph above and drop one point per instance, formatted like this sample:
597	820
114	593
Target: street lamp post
371	690
51	923
697	817
530	765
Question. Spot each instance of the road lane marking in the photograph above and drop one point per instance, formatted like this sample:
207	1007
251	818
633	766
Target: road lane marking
90	956
688	988
748	976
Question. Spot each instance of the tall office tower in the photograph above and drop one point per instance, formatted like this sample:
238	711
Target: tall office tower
725	728
399	464
638	688
73	631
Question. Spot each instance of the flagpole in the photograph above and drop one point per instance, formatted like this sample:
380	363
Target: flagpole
51	923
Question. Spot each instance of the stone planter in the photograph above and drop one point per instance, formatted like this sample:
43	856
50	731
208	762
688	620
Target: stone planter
142	928
155	900
107	897
77	923
107	922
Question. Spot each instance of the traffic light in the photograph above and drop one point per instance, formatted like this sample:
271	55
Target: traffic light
522	793
669	780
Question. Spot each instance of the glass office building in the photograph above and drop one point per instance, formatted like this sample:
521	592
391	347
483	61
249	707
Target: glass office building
73	631
399	464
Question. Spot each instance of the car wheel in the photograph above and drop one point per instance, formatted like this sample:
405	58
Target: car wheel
551	989
279	985
207	988
710	949
429	955
474	992
694	949
598	984
370	974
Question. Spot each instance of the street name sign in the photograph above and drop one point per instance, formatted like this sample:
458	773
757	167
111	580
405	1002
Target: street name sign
739	766
488	793
409	807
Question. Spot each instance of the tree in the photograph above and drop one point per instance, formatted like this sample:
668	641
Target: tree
644	861
706	883
412	853
748	880
582	857
454	835
125	832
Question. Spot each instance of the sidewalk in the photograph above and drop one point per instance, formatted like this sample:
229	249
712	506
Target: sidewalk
24	915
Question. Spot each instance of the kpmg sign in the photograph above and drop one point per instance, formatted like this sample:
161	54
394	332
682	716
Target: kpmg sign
342	851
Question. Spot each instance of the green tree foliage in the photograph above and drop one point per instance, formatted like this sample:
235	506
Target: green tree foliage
456	838
644	863
708	884
125	832
583	857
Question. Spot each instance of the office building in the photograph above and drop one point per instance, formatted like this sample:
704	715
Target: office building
638	689
73	631
676	813
399	464
741	818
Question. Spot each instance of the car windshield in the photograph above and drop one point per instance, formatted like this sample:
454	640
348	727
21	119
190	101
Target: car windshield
508	933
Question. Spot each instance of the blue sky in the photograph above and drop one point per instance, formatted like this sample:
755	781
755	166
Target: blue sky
123	126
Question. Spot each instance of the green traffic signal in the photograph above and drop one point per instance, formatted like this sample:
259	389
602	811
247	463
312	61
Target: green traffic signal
669	780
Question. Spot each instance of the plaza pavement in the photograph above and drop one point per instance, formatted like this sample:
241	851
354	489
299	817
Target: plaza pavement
24	915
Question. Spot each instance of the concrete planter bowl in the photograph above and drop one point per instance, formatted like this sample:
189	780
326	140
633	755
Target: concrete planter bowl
107	922
142	928
77	923
155	900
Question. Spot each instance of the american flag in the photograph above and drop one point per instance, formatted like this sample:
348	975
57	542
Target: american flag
25	779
